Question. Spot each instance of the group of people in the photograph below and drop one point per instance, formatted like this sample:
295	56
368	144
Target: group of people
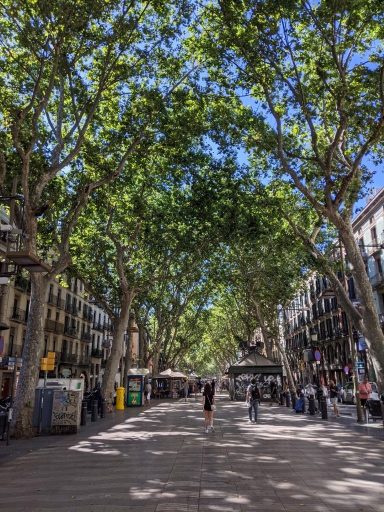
333	392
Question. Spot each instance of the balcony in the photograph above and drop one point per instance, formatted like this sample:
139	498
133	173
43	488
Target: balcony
60	303
85	360
88	316
107	344
19	315
70	331
96	352
52	299
53	326
98	326
377	280
375	248
23	284
68	358
86	336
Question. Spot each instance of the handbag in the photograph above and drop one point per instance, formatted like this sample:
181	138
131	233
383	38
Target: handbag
213	406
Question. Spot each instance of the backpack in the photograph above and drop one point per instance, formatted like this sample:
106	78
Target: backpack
255	393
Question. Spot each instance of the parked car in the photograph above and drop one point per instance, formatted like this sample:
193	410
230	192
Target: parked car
348	393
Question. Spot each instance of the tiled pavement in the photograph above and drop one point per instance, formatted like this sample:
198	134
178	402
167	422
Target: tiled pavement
160	460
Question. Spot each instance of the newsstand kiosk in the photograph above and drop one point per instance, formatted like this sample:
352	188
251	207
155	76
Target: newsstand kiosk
135	390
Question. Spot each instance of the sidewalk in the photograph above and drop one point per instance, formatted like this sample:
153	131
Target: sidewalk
160	460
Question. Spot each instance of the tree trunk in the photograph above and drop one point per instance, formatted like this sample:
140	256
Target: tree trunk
371	328
264	330
120	324
128	352
141	354
291	382
29	373
155	362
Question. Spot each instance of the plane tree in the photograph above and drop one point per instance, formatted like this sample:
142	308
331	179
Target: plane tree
311	75
73	77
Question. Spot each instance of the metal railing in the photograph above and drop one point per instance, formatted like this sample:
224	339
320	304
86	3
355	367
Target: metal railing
52	325
70	331
86	336
20	315
68	358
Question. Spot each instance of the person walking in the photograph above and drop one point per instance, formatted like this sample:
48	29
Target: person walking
186	389
208	407
252	398
147	393
365	390
333	395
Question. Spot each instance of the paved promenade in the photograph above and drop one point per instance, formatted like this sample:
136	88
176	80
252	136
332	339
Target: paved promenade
160	460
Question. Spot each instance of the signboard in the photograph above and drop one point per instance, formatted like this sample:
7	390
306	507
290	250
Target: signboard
66	408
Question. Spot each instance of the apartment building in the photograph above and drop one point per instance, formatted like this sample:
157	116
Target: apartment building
75	328
317	336
368	227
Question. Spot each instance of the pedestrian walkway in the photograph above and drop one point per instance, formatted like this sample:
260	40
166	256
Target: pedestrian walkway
160	460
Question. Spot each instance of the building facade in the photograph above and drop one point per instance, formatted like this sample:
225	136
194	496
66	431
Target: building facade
320	343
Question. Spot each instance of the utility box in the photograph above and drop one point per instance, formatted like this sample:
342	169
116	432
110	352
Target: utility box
66	412
42	412
57	411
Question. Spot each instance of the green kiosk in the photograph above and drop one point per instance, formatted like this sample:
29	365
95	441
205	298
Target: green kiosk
135	390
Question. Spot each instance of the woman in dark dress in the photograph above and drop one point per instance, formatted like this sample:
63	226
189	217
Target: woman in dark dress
208	401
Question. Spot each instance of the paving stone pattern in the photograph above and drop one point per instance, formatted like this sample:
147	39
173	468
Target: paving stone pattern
159	459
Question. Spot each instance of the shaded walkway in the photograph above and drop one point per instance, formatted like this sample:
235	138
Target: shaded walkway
159	459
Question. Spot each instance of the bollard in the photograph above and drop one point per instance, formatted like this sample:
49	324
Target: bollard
84	410
311	405
324	408
103	408
282	399
288	399
95	404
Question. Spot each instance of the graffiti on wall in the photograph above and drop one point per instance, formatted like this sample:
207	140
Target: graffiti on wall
265	382
66	408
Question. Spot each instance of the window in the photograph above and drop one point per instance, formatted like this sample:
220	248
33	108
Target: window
374	235
351	289
379	265
49	312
